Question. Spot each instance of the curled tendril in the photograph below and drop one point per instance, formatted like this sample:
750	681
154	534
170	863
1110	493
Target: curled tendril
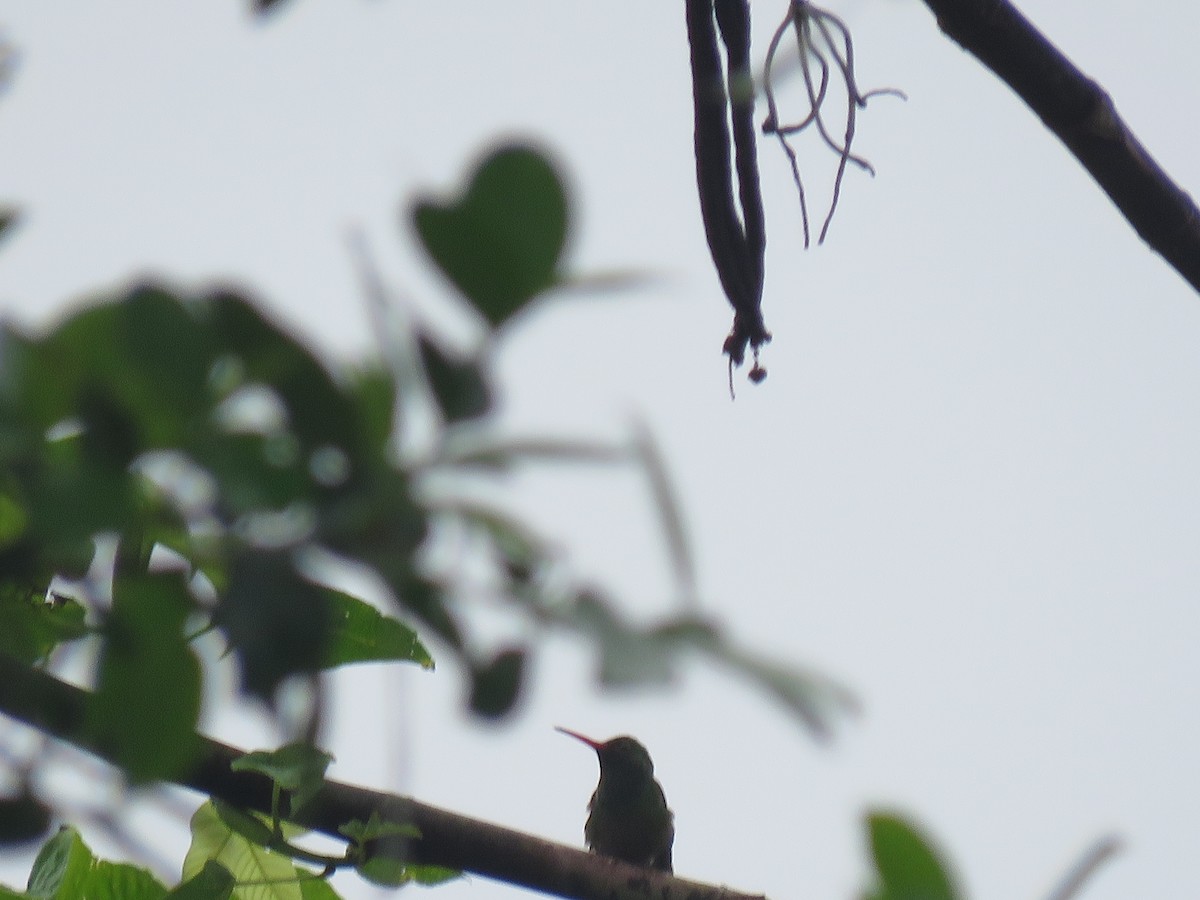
822	39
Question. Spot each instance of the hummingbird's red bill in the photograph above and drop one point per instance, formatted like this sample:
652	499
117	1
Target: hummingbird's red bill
595	745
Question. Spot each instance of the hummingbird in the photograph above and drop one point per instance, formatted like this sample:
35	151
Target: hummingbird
628	815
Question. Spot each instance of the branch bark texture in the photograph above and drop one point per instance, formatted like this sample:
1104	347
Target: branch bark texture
447	839
1084	117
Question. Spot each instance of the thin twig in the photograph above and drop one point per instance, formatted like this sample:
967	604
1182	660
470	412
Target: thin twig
1096	855
820	37
669	511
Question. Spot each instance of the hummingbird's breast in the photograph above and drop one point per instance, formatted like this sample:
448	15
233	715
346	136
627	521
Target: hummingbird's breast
636	827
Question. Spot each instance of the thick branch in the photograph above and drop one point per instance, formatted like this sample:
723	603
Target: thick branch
1083	116
447	839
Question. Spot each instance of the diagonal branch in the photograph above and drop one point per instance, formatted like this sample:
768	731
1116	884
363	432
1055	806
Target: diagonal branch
447	839
1084	117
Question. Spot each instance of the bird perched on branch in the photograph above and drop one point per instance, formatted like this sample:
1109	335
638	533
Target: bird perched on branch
629	818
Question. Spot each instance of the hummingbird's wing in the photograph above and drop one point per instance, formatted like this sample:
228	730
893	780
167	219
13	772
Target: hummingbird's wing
662	862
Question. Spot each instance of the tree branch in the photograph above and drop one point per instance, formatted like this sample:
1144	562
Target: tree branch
447	839
1084	117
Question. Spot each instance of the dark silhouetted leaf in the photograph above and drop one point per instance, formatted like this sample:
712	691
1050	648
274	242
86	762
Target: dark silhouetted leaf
277	622
22	819
8	218
458	385
378	522
252	476
319	413
496	686
500	242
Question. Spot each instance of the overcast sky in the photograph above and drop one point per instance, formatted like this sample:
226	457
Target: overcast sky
968	489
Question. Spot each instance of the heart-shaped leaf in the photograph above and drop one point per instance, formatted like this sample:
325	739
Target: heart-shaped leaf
500	242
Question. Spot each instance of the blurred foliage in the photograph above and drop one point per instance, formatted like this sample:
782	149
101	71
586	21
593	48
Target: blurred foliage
296	768
194	428
172	463
8	216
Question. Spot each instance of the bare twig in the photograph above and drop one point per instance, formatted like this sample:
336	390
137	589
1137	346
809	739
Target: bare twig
1096	855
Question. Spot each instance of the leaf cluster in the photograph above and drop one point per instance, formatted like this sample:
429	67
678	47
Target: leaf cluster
177	466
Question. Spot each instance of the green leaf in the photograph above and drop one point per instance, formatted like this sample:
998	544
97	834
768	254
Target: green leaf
316	888
252	826
632	656
386	871
378	522
31	626
273	874
390	870
139	364
519	550
212	882
147	698
70	497
296	768
459	385
500	242
431	876
496	686
361	633
61	868
815	699
319	413
120	881
384	846
908	867
376	827
374	394
255	472
278	622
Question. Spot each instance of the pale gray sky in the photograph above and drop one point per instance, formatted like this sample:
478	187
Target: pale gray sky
968	489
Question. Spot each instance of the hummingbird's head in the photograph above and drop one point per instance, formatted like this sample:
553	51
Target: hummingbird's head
622	758
625	756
